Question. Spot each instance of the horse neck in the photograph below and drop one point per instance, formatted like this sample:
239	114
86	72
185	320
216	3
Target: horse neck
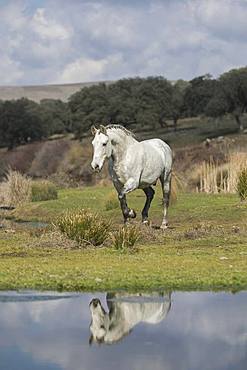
121	144
121	321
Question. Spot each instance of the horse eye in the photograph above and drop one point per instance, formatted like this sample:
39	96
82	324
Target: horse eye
104	144
102	327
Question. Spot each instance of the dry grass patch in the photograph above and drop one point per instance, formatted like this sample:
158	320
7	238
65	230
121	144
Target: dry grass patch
15	189
214	178
51	238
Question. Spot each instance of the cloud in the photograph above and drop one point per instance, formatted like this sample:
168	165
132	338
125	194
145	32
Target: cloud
86	69
12	16
10	70
223	19
56	40
48	28
83	69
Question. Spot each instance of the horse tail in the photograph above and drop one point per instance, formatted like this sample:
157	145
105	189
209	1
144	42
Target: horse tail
176	187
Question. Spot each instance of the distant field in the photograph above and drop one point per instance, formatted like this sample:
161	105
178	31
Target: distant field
193	131
38	93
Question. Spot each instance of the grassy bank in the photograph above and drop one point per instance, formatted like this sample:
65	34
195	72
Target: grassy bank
204	248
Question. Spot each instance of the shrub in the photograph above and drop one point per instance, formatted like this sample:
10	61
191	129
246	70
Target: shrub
125	238
16	189
111	202
84	227
43	190
242	184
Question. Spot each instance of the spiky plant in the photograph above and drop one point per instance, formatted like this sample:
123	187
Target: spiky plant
85	227
242	184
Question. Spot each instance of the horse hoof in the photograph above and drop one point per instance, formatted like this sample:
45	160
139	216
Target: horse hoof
132	213
164	226
145	222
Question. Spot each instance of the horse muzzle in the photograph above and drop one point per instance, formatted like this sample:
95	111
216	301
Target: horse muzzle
94	302
96	167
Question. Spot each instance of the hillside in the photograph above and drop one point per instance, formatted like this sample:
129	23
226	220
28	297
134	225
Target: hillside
37	93
66	161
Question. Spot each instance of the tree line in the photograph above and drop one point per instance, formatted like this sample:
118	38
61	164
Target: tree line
23	120
145	102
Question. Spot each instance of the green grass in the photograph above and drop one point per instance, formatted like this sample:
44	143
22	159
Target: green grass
205	247
43	190
193	131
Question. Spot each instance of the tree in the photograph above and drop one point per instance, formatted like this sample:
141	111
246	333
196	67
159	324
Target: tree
20	122
230	96
55	115
88	107
155	100
123	101
143	101
177	101
234	89
198	94
217	105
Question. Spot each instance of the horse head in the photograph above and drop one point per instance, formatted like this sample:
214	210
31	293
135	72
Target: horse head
100	322
102	147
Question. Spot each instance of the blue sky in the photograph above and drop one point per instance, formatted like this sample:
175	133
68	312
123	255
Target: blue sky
57	41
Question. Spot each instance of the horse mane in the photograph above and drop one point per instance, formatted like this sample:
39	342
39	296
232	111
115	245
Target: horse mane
121	128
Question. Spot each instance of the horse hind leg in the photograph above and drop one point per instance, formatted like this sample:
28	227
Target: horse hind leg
166	189
149	194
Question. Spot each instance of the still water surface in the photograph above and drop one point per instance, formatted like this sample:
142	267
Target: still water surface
180	331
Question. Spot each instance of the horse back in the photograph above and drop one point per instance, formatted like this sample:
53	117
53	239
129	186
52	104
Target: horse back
157	153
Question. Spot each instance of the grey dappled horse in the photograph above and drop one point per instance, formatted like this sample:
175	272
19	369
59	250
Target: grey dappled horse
125	312
133	165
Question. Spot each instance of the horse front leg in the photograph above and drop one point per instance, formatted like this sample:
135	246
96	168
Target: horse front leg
129	186
127	212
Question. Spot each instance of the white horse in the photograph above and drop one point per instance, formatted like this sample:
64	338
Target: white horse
125	311
133	165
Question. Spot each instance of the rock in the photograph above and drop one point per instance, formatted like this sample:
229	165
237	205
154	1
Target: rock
220	139
207	142
7	208
236	229
98	280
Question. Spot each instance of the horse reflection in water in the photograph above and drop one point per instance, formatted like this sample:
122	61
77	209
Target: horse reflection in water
125	312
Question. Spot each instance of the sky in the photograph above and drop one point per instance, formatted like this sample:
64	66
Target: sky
61	41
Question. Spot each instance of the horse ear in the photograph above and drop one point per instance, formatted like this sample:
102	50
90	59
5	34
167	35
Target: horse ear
103	129
93	130
90	341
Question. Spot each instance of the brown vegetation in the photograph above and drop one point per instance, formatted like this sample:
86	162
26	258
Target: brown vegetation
215	178
66	161
15	189
48	158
